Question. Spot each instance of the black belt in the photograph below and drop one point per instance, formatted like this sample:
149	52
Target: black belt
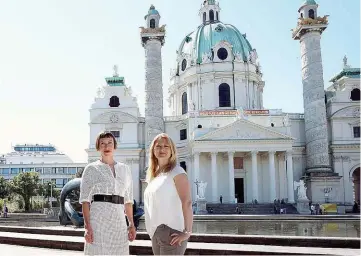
114	199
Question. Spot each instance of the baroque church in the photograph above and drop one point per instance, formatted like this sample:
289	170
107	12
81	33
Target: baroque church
223	133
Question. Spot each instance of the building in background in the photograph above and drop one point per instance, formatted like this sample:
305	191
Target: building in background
52	165
224	134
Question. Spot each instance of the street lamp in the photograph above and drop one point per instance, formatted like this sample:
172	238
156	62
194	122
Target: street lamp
51	194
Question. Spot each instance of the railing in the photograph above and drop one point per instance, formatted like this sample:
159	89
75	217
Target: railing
175	118
296	116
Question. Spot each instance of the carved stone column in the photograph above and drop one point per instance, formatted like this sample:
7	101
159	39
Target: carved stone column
231	176
214	177
313	96
291	192
152	42
254	176
272	175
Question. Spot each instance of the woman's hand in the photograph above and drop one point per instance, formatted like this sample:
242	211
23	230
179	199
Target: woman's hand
177	239
89	234
132	233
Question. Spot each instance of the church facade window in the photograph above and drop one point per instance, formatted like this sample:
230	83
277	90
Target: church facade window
114	102
183	134
224	95
211	15
184	103
152	23
222	53
204	17
184	64
217	16
116	134
183	164
356	131
355	94
311	14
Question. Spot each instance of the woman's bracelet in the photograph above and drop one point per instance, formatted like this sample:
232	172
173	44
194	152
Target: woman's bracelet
187	232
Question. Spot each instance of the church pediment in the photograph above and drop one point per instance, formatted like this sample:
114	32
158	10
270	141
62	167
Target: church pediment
244	130
353	111
114	117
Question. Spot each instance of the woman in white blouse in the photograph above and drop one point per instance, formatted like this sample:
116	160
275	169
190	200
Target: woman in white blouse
167	199
106	191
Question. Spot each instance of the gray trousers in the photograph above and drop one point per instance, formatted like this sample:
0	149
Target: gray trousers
161	242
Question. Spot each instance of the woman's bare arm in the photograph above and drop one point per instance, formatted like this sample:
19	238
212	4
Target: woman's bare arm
183	188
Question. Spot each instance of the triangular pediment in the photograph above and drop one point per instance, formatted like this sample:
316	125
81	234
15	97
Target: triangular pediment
244	130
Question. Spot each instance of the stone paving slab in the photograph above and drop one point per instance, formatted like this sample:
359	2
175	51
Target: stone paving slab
16	250
141	247
307	241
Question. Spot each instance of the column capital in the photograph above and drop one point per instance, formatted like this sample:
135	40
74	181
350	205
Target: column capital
196	153
213	153
254	152
231	153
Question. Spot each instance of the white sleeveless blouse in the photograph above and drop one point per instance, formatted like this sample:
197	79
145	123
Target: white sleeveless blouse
162	204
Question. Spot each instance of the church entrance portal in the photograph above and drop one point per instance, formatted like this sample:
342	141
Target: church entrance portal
239	189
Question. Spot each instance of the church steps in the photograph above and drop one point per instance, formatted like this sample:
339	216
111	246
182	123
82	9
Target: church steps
143	247
296	241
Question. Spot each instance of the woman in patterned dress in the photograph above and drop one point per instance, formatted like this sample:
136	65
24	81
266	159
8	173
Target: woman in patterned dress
106	191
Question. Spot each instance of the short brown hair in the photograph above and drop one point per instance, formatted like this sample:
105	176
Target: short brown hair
103	135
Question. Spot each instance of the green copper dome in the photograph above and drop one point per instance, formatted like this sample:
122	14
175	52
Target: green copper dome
152	11
310	2
201	41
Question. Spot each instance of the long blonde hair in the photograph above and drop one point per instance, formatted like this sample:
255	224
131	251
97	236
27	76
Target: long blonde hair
153	167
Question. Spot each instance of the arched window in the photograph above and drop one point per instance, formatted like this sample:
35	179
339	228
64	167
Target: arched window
311	14
211	15
184	103
204	17
114	102
224	95
301	15
217	17
152	23
355	94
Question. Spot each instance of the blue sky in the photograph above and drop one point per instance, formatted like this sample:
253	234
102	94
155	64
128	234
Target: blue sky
55	54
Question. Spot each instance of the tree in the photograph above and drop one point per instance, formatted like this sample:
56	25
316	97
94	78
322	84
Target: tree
4	188
26	185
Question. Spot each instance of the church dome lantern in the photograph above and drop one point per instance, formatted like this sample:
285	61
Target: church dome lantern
308	10
209	12
152	18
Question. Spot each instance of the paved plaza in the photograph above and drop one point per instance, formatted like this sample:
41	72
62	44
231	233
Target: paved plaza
15	250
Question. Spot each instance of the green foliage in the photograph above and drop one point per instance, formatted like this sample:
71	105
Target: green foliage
26	185
49	189
5	190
